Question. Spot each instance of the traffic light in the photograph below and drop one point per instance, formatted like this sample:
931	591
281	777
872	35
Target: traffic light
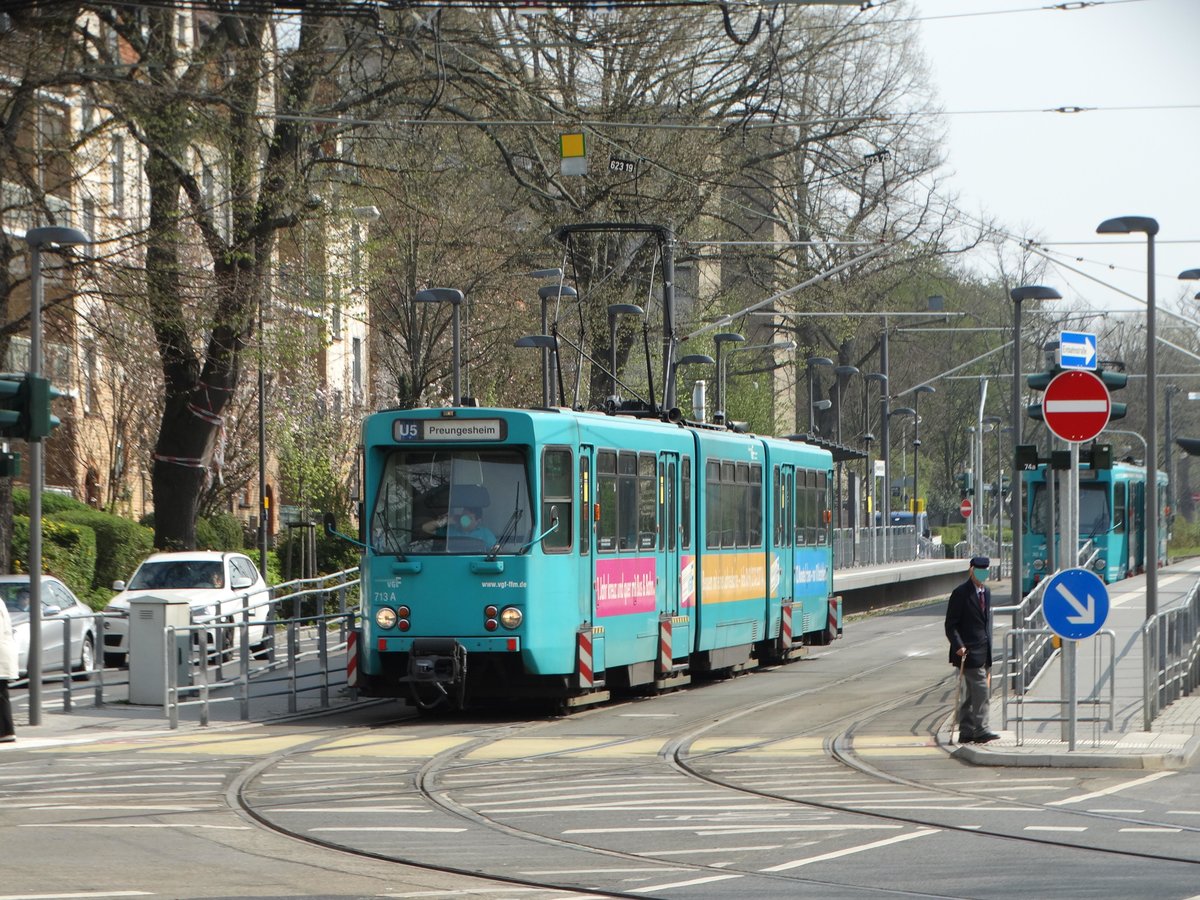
966	484
25	407
1038	382
1114	381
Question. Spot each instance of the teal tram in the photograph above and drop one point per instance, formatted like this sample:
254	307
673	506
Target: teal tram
559	554
1112	505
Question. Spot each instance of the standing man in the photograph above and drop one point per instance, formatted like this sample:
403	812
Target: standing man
969	630
8	672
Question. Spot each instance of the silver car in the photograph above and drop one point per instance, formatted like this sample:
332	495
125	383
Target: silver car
60	609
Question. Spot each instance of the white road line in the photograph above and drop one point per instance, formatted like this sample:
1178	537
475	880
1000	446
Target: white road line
657	853
89	895
642	806
1056	828
1118	811
836	854
352	809
601	871
721	829
972	809
682	884
378	828
135	825
112	808
1116	788
1153	830
1182	812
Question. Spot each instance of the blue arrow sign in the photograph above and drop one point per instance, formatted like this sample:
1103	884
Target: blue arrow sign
1076	350
1075	604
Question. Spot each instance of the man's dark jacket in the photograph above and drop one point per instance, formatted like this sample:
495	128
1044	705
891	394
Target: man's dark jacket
968	625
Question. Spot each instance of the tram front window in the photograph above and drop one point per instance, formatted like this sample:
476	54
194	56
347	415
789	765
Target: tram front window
453	501
1095	515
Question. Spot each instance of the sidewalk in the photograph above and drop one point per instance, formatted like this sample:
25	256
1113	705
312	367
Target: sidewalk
1172	743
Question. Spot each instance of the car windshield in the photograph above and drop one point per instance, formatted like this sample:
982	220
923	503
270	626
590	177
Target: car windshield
455	501
175	574
16	596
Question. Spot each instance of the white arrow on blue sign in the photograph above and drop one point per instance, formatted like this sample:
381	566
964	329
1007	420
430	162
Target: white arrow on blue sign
1075	604
1076	350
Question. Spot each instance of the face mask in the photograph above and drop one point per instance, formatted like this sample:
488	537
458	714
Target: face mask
981	574
466	520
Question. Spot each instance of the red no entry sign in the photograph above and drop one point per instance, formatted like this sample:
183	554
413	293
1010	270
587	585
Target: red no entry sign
1076	405
965	509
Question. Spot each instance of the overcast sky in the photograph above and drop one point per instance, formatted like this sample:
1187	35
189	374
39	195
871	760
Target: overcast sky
1059	175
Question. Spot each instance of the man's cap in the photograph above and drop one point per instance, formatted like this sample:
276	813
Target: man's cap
980	562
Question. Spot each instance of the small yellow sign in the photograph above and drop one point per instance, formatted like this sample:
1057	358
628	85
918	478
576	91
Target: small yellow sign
572	145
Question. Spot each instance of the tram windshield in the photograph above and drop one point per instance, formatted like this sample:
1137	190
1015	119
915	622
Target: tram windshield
455	501
1095	513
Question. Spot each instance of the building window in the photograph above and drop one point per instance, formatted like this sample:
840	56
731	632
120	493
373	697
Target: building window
356	369
118	176
91	377
89	218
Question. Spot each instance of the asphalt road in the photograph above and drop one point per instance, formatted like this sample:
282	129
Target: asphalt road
816	779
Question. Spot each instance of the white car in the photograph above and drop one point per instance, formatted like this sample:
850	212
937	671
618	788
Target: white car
59	605
211	582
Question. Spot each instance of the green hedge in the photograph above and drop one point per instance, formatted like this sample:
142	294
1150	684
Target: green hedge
120	543
52	503
68	552
221	532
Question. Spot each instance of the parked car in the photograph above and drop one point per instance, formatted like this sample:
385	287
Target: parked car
59	604
211	582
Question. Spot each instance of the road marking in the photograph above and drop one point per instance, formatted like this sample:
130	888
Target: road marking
1056	828
795	864
378	828
352	809
1118	811
720	829
712	850
134	825
601	871
1116	788
1181	812
1153	830
89	895
680	884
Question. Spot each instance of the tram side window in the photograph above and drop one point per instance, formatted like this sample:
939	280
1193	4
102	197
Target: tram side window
606	496
823	506
647	503
556	499
686	478
778	508
1120	502
712	515
730	501
627	500
755	512
741	513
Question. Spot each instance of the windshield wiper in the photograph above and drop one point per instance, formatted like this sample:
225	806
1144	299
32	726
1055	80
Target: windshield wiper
510	526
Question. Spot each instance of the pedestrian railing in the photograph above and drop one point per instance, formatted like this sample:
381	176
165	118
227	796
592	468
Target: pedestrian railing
1170	655
1034	648
1014	703
875	546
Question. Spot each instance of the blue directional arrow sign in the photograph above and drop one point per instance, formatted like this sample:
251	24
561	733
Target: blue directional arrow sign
1076	350
1075	604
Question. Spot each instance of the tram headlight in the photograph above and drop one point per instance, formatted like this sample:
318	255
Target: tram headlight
510	617
1038	565
385	617
1099	564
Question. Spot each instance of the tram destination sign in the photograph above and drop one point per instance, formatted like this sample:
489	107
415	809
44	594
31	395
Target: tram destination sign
405	430
1076	405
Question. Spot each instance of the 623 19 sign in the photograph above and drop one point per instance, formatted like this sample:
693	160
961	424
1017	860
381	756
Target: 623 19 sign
621	166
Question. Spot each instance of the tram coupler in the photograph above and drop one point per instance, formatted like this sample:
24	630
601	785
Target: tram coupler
440	660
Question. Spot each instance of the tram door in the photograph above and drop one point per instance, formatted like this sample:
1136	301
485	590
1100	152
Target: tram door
587	549
669	538
782	561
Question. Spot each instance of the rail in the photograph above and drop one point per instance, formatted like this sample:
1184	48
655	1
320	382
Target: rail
879	545
1170	655
1019	700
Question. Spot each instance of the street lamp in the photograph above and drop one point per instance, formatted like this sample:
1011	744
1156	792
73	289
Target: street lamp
454	297
992	423
38	238
725	337
917	392
1016	417
614	310
901	411
546	293
1149	227
843	373
811	363
868	437
693	359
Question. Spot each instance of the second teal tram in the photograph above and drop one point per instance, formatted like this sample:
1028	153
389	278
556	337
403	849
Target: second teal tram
1112	505
551	553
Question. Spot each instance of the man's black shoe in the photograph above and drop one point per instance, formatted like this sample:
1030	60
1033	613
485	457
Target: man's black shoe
965	737
985	738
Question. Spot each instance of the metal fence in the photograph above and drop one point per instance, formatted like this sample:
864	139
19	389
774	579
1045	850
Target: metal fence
1170	655
880	545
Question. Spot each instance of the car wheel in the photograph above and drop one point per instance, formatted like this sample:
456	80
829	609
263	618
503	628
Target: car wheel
87	658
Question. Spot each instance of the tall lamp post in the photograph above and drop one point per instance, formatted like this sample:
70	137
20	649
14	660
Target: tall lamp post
917	392
843	374
809	364
868	437
992	423
546	293
38	239
1149	227
725	337
1019	295
615	310
454	297
897	412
